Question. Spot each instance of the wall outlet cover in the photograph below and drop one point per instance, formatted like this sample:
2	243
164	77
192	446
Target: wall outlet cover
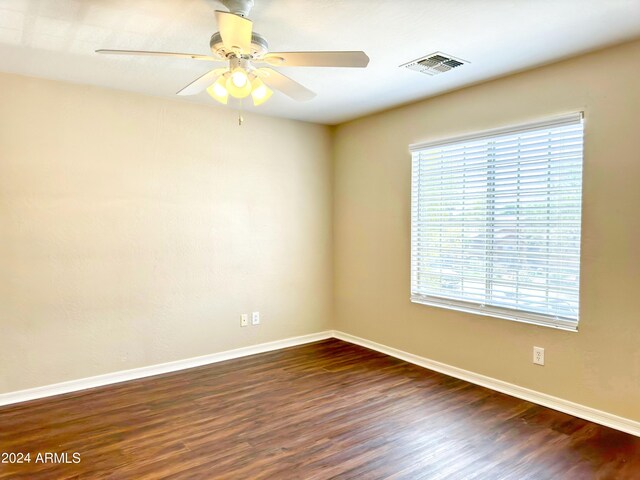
538	355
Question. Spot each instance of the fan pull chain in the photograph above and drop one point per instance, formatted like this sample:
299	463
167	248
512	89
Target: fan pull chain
240	119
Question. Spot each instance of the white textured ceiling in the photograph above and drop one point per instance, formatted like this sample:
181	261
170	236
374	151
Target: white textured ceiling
57	38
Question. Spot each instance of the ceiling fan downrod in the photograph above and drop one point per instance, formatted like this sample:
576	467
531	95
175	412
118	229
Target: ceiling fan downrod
239	7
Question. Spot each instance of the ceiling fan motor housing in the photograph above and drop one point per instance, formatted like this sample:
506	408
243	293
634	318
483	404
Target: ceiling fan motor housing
259	46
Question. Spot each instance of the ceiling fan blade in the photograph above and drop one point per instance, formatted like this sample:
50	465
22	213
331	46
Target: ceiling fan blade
194	56
317	59
202	82
281	82
235	31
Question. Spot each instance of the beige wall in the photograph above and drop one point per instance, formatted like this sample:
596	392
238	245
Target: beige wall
600	365
135	230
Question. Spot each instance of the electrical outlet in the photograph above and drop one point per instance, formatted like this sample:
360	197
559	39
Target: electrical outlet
244	320
255	318
538	355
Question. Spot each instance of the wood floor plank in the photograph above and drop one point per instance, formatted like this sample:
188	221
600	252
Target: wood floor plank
327	410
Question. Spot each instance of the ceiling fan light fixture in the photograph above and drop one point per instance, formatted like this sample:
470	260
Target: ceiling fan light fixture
239	77
238	84
260	93
218	91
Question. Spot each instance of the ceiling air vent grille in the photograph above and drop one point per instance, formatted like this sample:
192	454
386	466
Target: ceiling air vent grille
435	63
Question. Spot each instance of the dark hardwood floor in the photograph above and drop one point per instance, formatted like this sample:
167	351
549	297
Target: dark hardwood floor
319	411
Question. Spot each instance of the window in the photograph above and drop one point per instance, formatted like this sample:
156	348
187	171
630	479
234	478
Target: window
495	222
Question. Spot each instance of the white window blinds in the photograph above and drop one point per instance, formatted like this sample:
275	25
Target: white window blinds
495	222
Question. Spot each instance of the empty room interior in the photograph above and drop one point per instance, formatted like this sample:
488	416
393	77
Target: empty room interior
281	239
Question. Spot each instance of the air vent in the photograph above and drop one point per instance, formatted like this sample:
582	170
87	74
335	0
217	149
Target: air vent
435	63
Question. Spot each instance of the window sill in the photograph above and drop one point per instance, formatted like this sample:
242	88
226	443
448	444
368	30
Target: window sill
504	314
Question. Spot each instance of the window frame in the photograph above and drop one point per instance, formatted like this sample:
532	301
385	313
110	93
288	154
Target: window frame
556	322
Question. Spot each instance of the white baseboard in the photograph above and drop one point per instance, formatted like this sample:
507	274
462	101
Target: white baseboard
575	409
126	375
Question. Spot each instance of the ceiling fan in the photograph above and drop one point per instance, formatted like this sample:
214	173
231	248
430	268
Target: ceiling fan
248	61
